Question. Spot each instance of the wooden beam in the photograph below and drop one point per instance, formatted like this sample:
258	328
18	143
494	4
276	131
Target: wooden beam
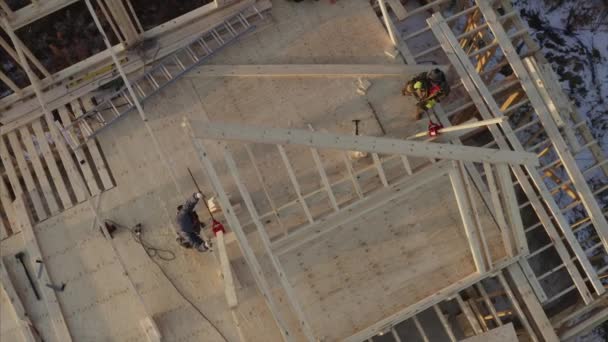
466	310
123	21
9	83
464	206
505	333
229	288
520	313
248	253
444	322
397	8
420	329
267	135
312	70
53	306
33	12
489	304
98	160
287	287
539	318
34	158
295	184
499	212
465	126
357	209
7	10
19	313
19	43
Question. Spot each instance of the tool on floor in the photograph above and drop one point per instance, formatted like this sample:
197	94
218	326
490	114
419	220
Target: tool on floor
56	288
20	256
40	265
216	225
355	155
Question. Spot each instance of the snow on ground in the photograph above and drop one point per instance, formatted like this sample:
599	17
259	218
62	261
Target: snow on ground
573	35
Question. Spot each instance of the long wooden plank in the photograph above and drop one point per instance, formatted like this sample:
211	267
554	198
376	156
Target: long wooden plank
16	305
9	83
287	287
536	286
537	313
420	329
444	322
505	184
267	135
68	162
51	163
397	8
83	163
7	204
50	298
99	162
294	183
12	52
489	304
7	160
472	82
498	209
311	70
520	313
466	309
43	180
464	206
30	185
248	253
229	288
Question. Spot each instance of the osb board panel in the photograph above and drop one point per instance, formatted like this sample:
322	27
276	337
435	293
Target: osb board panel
394	257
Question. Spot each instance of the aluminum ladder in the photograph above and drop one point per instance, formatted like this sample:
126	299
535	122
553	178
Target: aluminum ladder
120	103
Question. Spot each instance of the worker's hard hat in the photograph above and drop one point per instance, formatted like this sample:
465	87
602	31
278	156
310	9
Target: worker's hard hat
418	85
430	103
435	75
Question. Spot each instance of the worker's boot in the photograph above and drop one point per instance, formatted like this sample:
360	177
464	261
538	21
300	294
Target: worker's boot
205	246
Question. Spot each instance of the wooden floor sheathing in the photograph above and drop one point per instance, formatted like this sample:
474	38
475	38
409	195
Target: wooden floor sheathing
353	277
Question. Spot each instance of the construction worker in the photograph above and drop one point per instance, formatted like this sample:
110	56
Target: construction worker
429	88
189	226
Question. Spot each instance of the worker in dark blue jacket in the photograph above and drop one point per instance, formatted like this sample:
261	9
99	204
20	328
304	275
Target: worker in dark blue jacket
189	226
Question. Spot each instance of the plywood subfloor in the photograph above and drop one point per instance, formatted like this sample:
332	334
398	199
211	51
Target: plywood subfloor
384	261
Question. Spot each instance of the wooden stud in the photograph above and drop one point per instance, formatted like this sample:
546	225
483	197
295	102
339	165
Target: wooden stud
289	291
466	310
351	175
267	135
498	209
19	313
520	312
534	283
229	288
380	169
248	253
476	216
319	164
472	82
100	165
488	302
34	157
50	298
510	204
7	160
9	83
12	52
83	163
265	188
295	184
444	322
397	8
113	26
464	206
51	163
123	21
536	311
420	329
9	12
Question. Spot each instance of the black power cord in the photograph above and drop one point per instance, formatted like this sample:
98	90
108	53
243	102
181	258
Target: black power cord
165	255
